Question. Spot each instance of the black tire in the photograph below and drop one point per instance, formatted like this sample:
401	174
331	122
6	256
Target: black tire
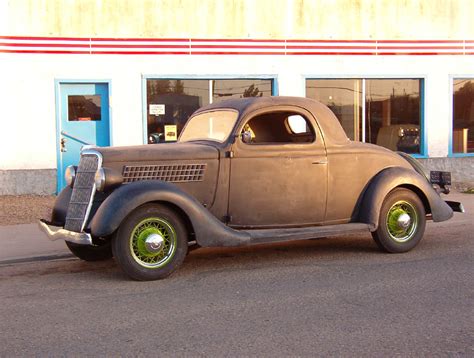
91	253
397	233
151	243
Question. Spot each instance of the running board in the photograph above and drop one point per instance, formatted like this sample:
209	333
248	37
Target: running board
262	236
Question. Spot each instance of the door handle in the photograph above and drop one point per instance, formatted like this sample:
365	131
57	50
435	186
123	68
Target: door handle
321	161
63	145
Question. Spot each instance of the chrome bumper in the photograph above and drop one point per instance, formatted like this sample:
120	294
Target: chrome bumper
59	233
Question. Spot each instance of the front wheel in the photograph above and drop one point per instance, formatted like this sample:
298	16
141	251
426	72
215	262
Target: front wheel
402	222
151	243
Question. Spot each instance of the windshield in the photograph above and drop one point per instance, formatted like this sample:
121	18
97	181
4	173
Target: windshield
215	126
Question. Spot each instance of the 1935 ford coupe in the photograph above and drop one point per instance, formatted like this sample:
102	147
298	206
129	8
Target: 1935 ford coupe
244	171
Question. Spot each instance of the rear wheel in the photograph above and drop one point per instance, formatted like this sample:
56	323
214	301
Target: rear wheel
91	253
151	243
402	222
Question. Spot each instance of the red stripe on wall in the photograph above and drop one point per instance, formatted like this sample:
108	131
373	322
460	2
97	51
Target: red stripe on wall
236	40
420	53
103	39
49	45
237	46
330	47
43	45
332	41
418	41
139	46
332	53
236	53
139	53
42	38
47	52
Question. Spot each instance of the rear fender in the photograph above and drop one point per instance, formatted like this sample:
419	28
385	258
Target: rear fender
390	178
209	231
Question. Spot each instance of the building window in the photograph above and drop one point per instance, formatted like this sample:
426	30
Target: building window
385	112
170	102
344	98
84	108
463	116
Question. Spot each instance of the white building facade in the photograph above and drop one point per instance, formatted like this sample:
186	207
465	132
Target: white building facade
401	76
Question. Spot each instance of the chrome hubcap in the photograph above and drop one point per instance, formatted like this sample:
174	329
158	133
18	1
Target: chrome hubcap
154	243
404	221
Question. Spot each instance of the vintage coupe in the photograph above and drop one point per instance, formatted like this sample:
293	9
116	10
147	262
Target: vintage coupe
243	171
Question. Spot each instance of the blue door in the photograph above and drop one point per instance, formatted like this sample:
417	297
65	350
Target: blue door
84	120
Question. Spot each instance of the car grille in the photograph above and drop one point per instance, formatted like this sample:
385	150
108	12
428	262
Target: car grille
177	173
82	193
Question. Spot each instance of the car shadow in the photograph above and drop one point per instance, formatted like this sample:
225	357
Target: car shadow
204	260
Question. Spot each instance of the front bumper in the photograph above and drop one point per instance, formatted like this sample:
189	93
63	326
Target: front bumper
58	233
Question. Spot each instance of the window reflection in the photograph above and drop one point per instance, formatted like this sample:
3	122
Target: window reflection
392	115
170	102
84	108
225	89
463	116
344	98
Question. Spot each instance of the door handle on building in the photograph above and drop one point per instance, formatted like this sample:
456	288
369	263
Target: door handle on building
63	145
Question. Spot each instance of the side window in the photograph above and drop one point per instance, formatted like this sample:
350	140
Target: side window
278	127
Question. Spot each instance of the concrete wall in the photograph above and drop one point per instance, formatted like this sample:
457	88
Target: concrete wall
462	170
329	19
19	182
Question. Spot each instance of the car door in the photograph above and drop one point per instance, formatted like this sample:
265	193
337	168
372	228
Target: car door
278	174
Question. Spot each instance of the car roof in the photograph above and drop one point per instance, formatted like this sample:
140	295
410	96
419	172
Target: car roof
328	122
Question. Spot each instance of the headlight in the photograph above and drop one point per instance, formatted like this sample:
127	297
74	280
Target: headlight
70	175
99	179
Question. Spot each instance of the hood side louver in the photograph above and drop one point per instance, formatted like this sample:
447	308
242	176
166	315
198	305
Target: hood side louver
176	173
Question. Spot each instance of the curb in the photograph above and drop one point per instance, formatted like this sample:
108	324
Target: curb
36	259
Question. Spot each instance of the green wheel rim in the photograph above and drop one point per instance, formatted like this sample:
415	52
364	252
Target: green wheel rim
402	221
143	231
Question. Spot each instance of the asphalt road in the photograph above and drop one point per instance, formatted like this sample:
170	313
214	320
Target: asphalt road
334	296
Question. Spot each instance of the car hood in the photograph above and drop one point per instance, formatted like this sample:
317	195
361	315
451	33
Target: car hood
158	152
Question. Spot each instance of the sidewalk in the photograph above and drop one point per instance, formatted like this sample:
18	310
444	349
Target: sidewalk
26	242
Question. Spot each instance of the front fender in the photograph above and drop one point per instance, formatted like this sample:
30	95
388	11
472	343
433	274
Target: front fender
391	178
61	204
208	230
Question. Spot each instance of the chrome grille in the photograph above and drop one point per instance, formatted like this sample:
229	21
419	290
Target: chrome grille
82	193
177	173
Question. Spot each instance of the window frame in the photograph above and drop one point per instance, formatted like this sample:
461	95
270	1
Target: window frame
452	78
145	77
422	78
287	127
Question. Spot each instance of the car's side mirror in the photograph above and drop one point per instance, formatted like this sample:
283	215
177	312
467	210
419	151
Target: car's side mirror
246	137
